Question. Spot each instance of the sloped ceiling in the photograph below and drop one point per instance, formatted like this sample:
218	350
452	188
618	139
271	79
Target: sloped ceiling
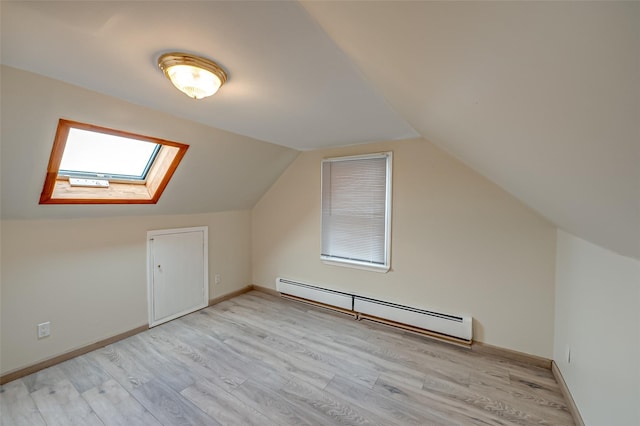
288	82
221	171
543	98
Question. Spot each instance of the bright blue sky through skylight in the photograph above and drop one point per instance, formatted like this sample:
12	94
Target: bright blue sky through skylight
100	153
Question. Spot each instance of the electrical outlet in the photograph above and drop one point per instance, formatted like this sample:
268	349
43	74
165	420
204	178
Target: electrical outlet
44	329
217	279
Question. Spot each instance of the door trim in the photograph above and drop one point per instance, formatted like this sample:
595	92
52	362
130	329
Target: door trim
150	269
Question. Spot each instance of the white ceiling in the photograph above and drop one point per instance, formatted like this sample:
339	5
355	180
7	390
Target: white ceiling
288	82
543	98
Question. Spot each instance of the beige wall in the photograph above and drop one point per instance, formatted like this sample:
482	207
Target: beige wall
598	320
88	277
459	244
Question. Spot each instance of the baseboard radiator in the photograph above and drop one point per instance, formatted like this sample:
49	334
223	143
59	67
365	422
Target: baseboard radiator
453	328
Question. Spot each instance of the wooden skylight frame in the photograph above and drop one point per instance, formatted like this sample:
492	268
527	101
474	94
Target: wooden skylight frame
57	189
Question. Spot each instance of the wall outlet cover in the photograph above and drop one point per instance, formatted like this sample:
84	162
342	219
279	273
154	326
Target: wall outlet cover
44	329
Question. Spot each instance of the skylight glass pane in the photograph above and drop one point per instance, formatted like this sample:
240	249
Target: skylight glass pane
104	154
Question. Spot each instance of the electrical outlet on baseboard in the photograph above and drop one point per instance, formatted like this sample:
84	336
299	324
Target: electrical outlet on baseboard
217	279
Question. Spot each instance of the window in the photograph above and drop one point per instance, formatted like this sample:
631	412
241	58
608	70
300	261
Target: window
356	211
101	155
97	165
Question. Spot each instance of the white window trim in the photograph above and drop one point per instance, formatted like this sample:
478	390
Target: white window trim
384	268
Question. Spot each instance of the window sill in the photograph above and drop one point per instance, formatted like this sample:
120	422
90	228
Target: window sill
356	265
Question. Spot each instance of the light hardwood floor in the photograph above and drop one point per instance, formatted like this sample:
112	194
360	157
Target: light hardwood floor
261	360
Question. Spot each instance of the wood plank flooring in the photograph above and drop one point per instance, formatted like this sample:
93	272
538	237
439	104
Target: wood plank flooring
262	360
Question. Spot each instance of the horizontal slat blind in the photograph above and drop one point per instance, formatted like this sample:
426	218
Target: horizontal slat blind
354	196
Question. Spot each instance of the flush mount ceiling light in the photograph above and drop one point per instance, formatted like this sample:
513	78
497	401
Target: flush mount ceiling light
194	76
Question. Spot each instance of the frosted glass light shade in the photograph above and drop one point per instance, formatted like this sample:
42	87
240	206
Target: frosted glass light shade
194	82
194	76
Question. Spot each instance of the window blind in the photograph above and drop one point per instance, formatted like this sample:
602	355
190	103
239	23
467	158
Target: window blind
355	198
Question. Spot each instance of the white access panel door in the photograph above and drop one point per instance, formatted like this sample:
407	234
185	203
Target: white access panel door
178	277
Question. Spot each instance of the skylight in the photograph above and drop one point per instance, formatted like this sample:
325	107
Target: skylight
96	165
93	154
